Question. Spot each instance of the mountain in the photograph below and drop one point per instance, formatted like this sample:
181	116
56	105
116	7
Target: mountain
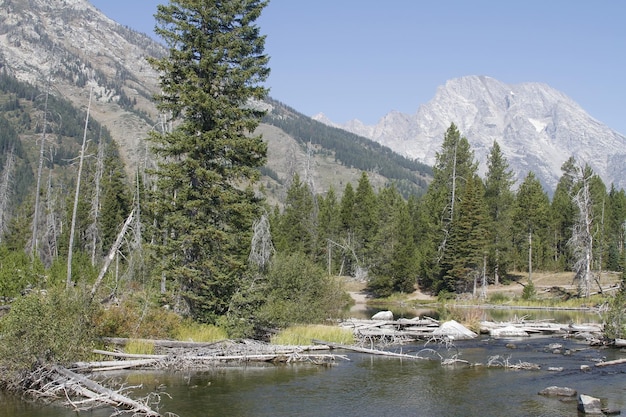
537	127
70	48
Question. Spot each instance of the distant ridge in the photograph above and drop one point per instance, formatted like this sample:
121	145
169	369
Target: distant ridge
537	127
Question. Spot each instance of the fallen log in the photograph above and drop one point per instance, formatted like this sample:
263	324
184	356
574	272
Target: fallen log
113	365
128	355
366	350
614	362
117	398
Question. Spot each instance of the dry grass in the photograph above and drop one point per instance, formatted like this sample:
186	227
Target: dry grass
303	335
196	332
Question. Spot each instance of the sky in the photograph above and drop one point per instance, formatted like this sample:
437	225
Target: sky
361	59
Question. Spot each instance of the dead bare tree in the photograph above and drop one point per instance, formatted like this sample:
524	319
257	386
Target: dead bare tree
581	242
262	248
53	223
68	282
6	184
35	239
93	231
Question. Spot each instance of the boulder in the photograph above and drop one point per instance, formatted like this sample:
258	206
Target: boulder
589	405
383	315
555	391
508	331
454	330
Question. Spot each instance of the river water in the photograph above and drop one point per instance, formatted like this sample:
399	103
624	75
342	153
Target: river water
368	385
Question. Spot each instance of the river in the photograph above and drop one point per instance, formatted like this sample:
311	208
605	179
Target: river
368	385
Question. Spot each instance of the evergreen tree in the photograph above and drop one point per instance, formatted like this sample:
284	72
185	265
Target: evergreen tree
499	199
616	225
463	262
563	215
365	213
328	229
296	226
530	221
116	201
214	70
454	165
394	261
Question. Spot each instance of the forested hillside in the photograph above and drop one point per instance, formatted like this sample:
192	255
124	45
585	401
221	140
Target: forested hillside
465	231
40	140
350	150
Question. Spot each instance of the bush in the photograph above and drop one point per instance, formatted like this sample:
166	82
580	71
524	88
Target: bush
301	292
17	272
137	316
498	298
529	291
615	318
53	327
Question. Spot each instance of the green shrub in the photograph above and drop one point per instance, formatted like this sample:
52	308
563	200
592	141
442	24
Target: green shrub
498	298
615	317
137	316
18	272
52	327
300	292
529	292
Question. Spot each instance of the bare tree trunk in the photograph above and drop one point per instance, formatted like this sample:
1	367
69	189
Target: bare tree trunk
530	256
94	230
34	245
261	248
112	253
6	183
581	241
68	282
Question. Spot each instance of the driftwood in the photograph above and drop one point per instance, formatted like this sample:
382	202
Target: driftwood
113	365
609	363
366	350
85	387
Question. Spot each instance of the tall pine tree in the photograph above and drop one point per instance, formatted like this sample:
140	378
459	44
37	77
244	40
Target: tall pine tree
499	199
213	72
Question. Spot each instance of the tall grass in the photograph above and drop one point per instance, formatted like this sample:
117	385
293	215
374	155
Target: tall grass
197	332
139	347
303	335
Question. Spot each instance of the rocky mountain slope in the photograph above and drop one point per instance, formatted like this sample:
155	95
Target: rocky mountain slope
537	127
72	47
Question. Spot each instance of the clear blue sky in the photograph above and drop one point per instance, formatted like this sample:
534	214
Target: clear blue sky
363	58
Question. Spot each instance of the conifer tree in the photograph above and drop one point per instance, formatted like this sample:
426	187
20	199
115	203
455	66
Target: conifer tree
531	218
563	215
454	165
463	261
209	82
365	214
296	228
499	199
393	262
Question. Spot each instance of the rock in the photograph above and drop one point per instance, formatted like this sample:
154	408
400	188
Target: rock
454	330
383	315
555	391
555	368
555	346
585	368
508	331
510	346
589	405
